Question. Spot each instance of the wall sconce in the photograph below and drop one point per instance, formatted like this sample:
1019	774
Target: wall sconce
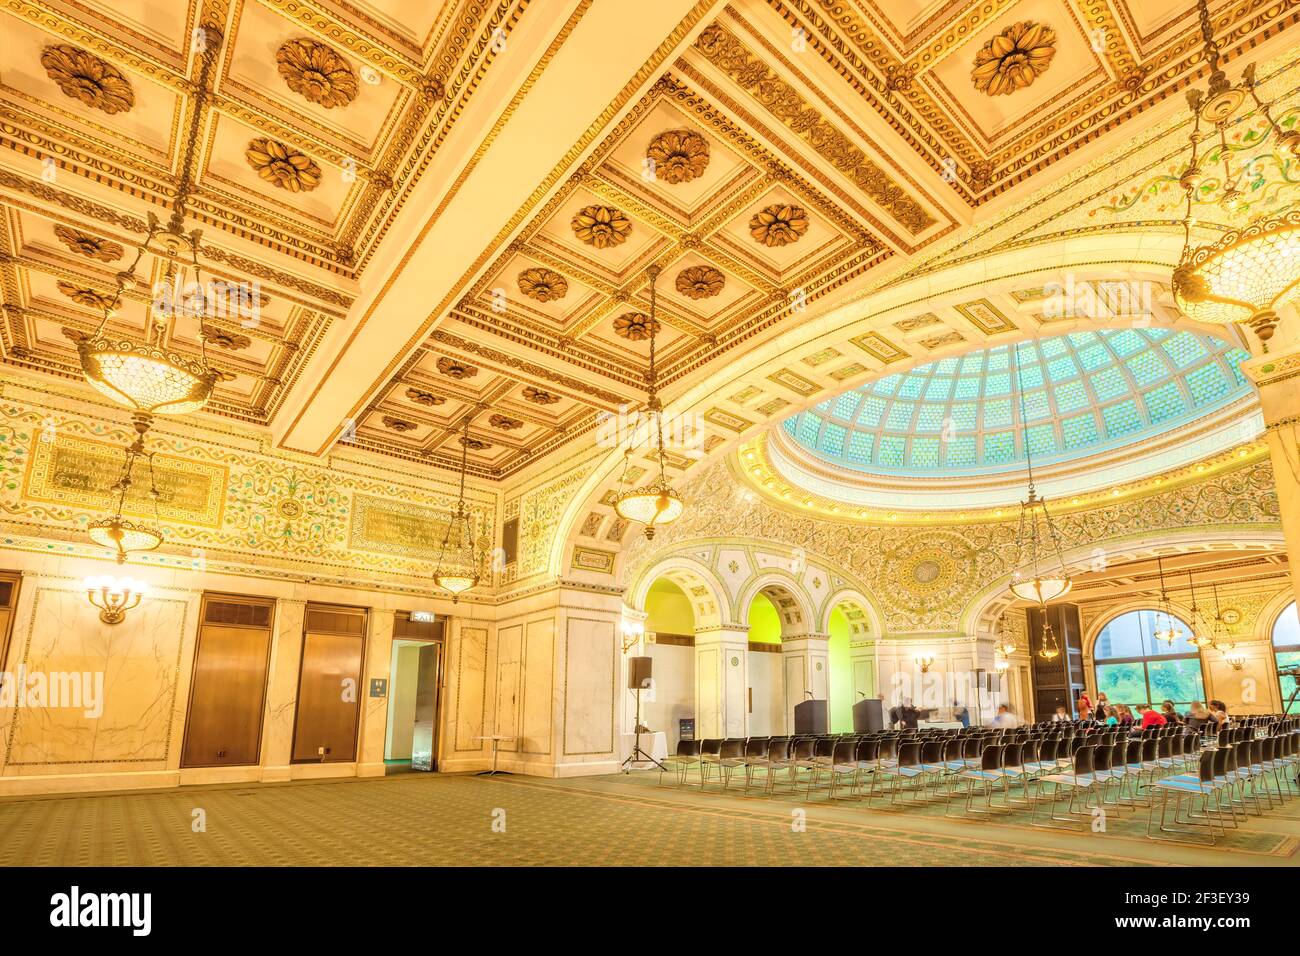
114	597
924	661
1236	660
633	631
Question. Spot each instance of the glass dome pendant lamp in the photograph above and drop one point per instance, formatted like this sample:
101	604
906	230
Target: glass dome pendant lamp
1038	550
458	567
117	532
1244	275
656	503
150	377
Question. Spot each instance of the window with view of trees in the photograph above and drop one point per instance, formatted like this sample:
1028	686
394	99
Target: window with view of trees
1286	645
1133	667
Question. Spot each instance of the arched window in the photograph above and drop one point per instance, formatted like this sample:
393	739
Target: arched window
1133	667
1286	644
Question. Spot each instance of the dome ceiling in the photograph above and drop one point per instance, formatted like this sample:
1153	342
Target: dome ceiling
1083	393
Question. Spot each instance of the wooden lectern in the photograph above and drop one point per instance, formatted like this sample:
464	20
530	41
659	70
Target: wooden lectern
869	716
810	717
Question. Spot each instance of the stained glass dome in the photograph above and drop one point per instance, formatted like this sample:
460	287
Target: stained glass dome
1084	393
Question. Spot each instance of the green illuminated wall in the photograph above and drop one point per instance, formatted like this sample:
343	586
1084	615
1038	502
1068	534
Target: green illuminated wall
764	622
841	689
669	609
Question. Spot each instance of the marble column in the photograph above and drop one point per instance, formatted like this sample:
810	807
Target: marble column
1277	376
722	681
282	689
374	710
805	665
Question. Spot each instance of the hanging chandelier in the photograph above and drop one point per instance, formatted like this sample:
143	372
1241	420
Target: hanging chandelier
120	534
1049	650
1004	643
656	503
458	565
1040	551
1247	274
1165	632
150	377
1201	635
1221	639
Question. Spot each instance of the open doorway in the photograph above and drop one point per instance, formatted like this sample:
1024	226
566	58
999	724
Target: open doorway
414	695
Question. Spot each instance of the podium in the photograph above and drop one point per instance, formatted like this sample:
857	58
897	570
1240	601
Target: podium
869	716
810	717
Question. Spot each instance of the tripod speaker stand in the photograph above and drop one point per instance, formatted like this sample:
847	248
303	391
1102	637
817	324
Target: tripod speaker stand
638	677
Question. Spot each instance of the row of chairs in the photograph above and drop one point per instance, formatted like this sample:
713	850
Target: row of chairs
1071	775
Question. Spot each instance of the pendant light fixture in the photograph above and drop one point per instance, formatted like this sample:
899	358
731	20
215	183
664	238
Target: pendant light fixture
657	503
1247	274
1201	632
1039	550
1049	649
458	565
1221	639
150	377
1165	631
1004	643
121	534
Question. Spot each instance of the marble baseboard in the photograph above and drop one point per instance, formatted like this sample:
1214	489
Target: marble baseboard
29	786
321	771
201	776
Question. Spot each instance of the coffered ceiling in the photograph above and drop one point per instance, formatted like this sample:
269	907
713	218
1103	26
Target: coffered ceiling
450	208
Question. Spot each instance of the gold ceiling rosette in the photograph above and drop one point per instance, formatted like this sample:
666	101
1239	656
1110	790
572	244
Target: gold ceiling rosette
1248	273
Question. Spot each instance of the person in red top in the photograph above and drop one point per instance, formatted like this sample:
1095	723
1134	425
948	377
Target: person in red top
1151	717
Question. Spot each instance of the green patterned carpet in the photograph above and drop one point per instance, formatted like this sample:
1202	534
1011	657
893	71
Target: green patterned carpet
424	820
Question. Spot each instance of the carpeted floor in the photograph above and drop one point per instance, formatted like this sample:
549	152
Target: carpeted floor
427	820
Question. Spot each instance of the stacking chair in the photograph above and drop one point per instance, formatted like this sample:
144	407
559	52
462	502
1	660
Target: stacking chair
867	756
731	756
1205	784
802	750
775	757
1081	780
907	766
686	757
710	749
843	763
989	773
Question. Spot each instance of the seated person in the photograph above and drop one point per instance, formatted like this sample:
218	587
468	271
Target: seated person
1150	716
1111	719
1061	715
1170	713
1198	716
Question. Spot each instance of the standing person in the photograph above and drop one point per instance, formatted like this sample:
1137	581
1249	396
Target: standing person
1085	705
960	714
1101	705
